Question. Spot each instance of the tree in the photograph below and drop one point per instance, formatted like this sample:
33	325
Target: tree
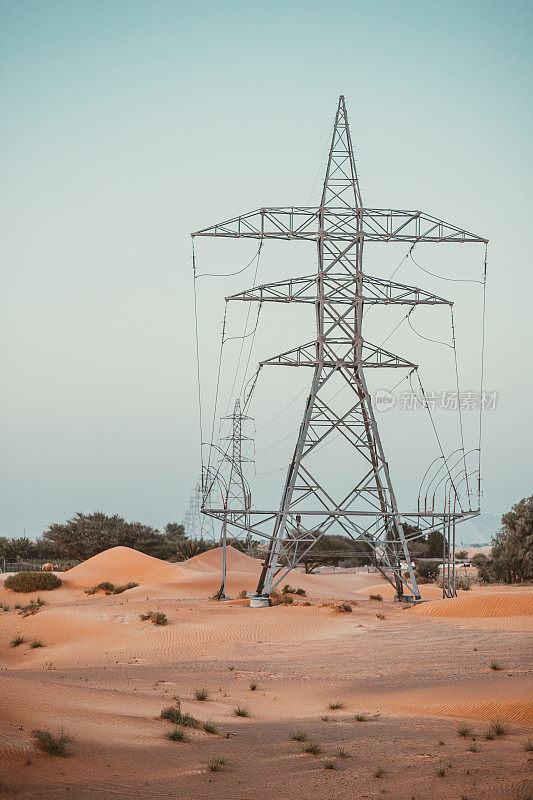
511	559
85	535
512	546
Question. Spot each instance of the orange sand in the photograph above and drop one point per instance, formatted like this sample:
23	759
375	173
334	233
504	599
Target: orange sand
103	676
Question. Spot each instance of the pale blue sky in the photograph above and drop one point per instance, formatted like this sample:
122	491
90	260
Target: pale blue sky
127	125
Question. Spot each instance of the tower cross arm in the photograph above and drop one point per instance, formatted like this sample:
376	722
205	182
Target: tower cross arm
339	289
389	225
268	223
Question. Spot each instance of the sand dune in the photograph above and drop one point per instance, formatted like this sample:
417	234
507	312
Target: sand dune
103	676
119	565
509	604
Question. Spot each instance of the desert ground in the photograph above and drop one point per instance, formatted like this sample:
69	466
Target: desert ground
405	682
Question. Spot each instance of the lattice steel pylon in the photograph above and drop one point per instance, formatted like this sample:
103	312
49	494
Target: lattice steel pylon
339	403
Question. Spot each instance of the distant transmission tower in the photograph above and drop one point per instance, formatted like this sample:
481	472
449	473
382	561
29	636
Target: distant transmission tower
196	524
339	404
231	477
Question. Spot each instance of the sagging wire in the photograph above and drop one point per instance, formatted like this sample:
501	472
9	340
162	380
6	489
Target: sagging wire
482	375
231	274
197	355
442	277
426	404
459	410
436	341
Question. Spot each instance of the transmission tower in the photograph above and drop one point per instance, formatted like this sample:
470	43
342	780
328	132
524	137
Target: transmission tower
196	524
339	356
231	478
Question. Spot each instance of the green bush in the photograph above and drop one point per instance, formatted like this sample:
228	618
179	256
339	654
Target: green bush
32	582
110	588
53	745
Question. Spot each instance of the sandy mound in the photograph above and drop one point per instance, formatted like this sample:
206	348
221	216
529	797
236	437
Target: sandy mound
509	604
211	561
120	565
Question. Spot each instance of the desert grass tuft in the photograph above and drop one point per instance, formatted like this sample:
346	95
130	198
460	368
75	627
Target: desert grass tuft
528	746
216	764
330	765
381	616
241	711
312	748
202	695
36	643
498	728
209	726
379	773
325	718
174	715
342	754
344	608
473	748
335	705
177	735
375	597
156	617
464	730
16	641
441	771
53	745
299	735
362	718
496	666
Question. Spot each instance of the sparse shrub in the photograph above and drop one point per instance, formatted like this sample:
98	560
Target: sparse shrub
473	748
312	748
375	597
36	643
490	735
32	582
201	695
441	743
253	686
216	764
299	735
231	667
342	754
174	715
496	666
379	773
53	745
120	589
344	608
177	735
4	607
281	599
241	711
157	617
110	588
380	616
209	726
16	641
441	771
362	718
301	592
498	728
288	589
463	582
325	718
426	571
528	746
335	705
330	765
464	730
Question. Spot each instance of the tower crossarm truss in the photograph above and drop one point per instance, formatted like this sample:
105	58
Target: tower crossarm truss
339	289
356	499
344	224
